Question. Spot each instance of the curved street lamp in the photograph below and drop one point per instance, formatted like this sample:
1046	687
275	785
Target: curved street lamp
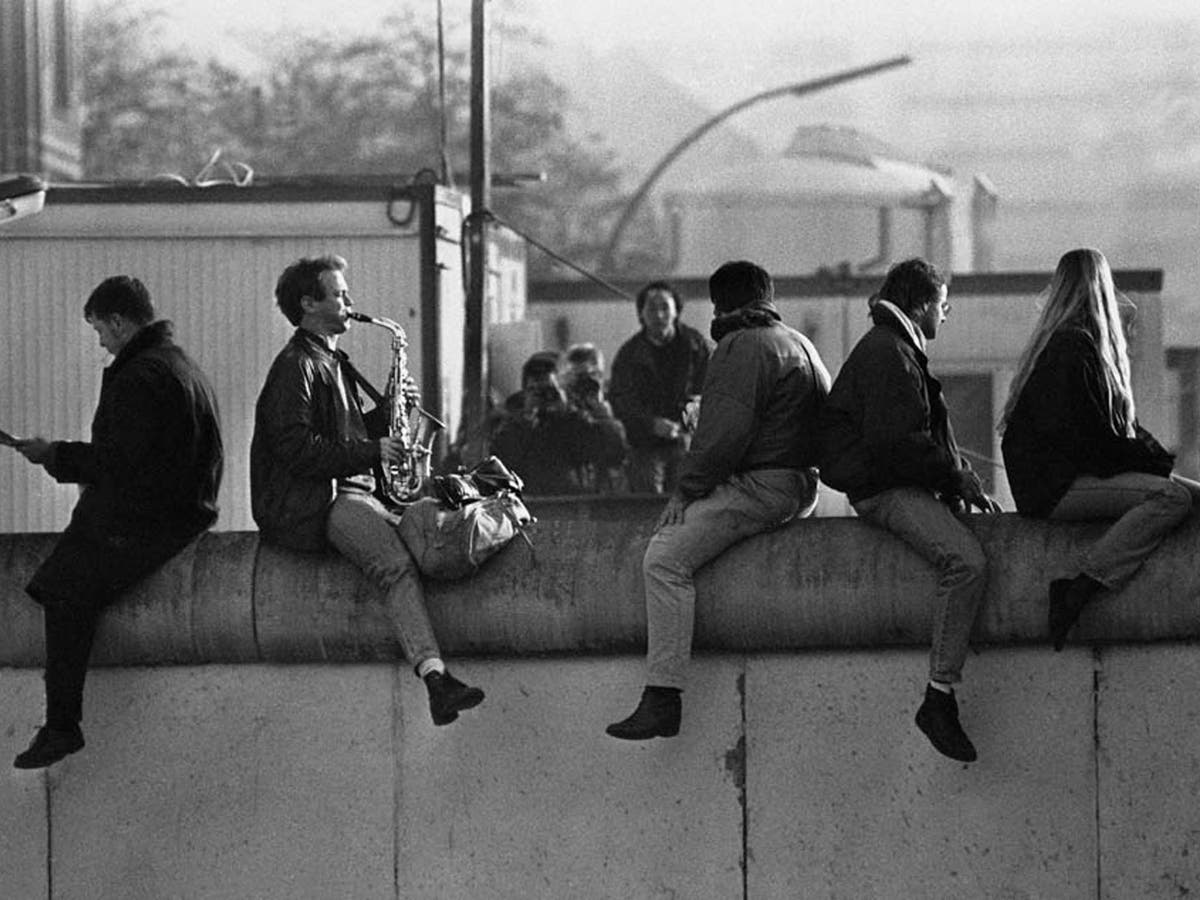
795	90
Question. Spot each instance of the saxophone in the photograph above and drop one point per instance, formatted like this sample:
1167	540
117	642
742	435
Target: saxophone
415	427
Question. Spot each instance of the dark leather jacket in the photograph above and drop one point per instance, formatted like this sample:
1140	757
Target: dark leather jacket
308	435
885	424
154	463
650	381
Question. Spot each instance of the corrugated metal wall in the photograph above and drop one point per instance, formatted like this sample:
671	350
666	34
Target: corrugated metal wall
217	290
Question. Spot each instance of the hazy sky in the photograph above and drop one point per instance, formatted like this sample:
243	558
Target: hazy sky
876	28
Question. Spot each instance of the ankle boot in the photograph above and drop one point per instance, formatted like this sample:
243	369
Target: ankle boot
938	719
1068	597
657	715
448	696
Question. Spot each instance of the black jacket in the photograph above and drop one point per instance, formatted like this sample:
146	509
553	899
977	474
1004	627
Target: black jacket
885	424
153	465
1059	428
649	381
306	439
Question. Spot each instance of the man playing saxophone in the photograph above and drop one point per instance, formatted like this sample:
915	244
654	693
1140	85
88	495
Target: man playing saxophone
310	468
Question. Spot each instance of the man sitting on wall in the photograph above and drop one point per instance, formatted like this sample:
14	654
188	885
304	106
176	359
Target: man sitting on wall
310	469
555	445
749	469
150	476
887	443
654	375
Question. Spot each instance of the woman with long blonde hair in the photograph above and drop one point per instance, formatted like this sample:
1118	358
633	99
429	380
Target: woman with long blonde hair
1072	445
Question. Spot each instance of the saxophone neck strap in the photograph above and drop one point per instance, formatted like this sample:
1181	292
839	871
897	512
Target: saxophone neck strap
358	378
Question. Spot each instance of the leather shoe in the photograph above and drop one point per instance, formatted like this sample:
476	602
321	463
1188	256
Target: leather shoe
49	746
938	719
657	715
448	697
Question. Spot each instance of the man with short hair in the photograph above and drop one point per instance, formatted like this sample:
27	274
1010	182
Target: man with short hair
749	469
310	468
150	475
888	445
654	375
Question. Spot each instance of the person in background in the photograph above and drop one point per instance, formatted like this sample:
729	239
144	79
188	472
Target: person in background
887	443
555	446
583	380
654	375
749	469
311	461
149	476
1072	444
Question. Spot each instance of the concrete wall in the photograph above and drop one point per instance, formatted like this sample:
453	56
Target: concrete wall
276	748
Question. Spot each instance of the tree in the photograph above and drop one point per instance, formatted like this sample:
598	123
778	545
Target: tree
359	105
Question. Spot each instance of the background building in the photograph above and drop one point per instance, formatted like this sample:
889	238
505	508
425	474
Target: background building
40	115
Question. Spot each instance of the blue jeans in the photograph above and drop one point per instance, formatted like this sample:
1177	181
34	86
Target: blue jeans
1146	507
749	503
928	526
364	531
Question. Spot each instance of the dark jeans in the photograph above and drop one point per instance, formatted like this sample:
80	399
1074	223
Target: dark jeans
83	575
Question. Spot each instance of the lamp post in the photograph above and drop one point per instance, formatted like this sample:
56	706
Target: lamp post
794	90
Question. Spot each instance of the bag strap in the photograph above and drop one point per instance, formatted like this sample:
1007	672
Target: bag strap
357	377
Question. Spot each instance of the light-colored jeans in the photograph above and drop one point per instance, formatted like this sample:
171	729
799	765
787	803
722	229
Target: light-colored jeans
927	525
749	503
1146	507
364	531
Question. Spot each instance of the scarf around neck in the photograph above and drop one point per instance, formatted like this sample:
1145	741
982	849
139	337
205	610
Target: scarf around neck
758	314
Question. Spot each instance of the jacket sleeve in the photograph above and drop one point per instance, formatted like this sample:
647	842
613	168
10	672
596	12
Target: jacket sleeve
896	427
727	423
136	403
288	410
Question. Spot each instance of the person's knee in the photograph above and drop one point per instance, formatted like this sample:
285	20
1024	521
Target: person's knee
967	561
661	563
1177	499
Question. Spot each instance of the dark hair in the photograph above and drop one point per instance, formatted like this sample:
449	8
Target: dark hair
911	284
121	295
541	363
736	284
303	279
666	287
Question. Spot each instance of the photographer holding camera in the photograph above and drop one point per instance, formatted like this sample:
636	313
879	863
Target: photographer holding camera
559	442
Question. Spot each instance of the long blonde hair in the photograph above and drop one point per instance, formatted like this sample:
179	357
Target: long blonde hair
1081	295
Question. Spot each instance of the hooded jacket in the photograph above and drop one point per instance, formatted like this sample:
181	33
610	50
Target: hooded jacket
762	396
885	424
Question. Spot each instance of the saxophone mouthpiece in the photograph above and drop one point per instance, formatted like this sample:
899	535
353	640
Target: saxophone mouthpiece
358	317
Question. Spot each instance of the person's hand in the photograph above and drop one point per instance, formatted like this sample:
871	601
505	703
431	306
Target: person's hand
391	450
691	413
665	428
970	488
673	514
35	449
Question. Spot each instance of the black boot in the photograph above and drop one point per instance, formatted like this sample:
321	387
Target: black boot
49	746
938	718
448	697
1068	597
657	715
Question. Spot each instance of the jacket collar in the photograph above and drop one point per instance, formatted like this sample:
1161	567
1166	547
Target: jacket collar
153	335
306	338
888	314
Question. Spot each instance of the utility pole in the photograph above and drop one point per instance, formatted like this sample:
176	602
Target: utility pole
475	336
